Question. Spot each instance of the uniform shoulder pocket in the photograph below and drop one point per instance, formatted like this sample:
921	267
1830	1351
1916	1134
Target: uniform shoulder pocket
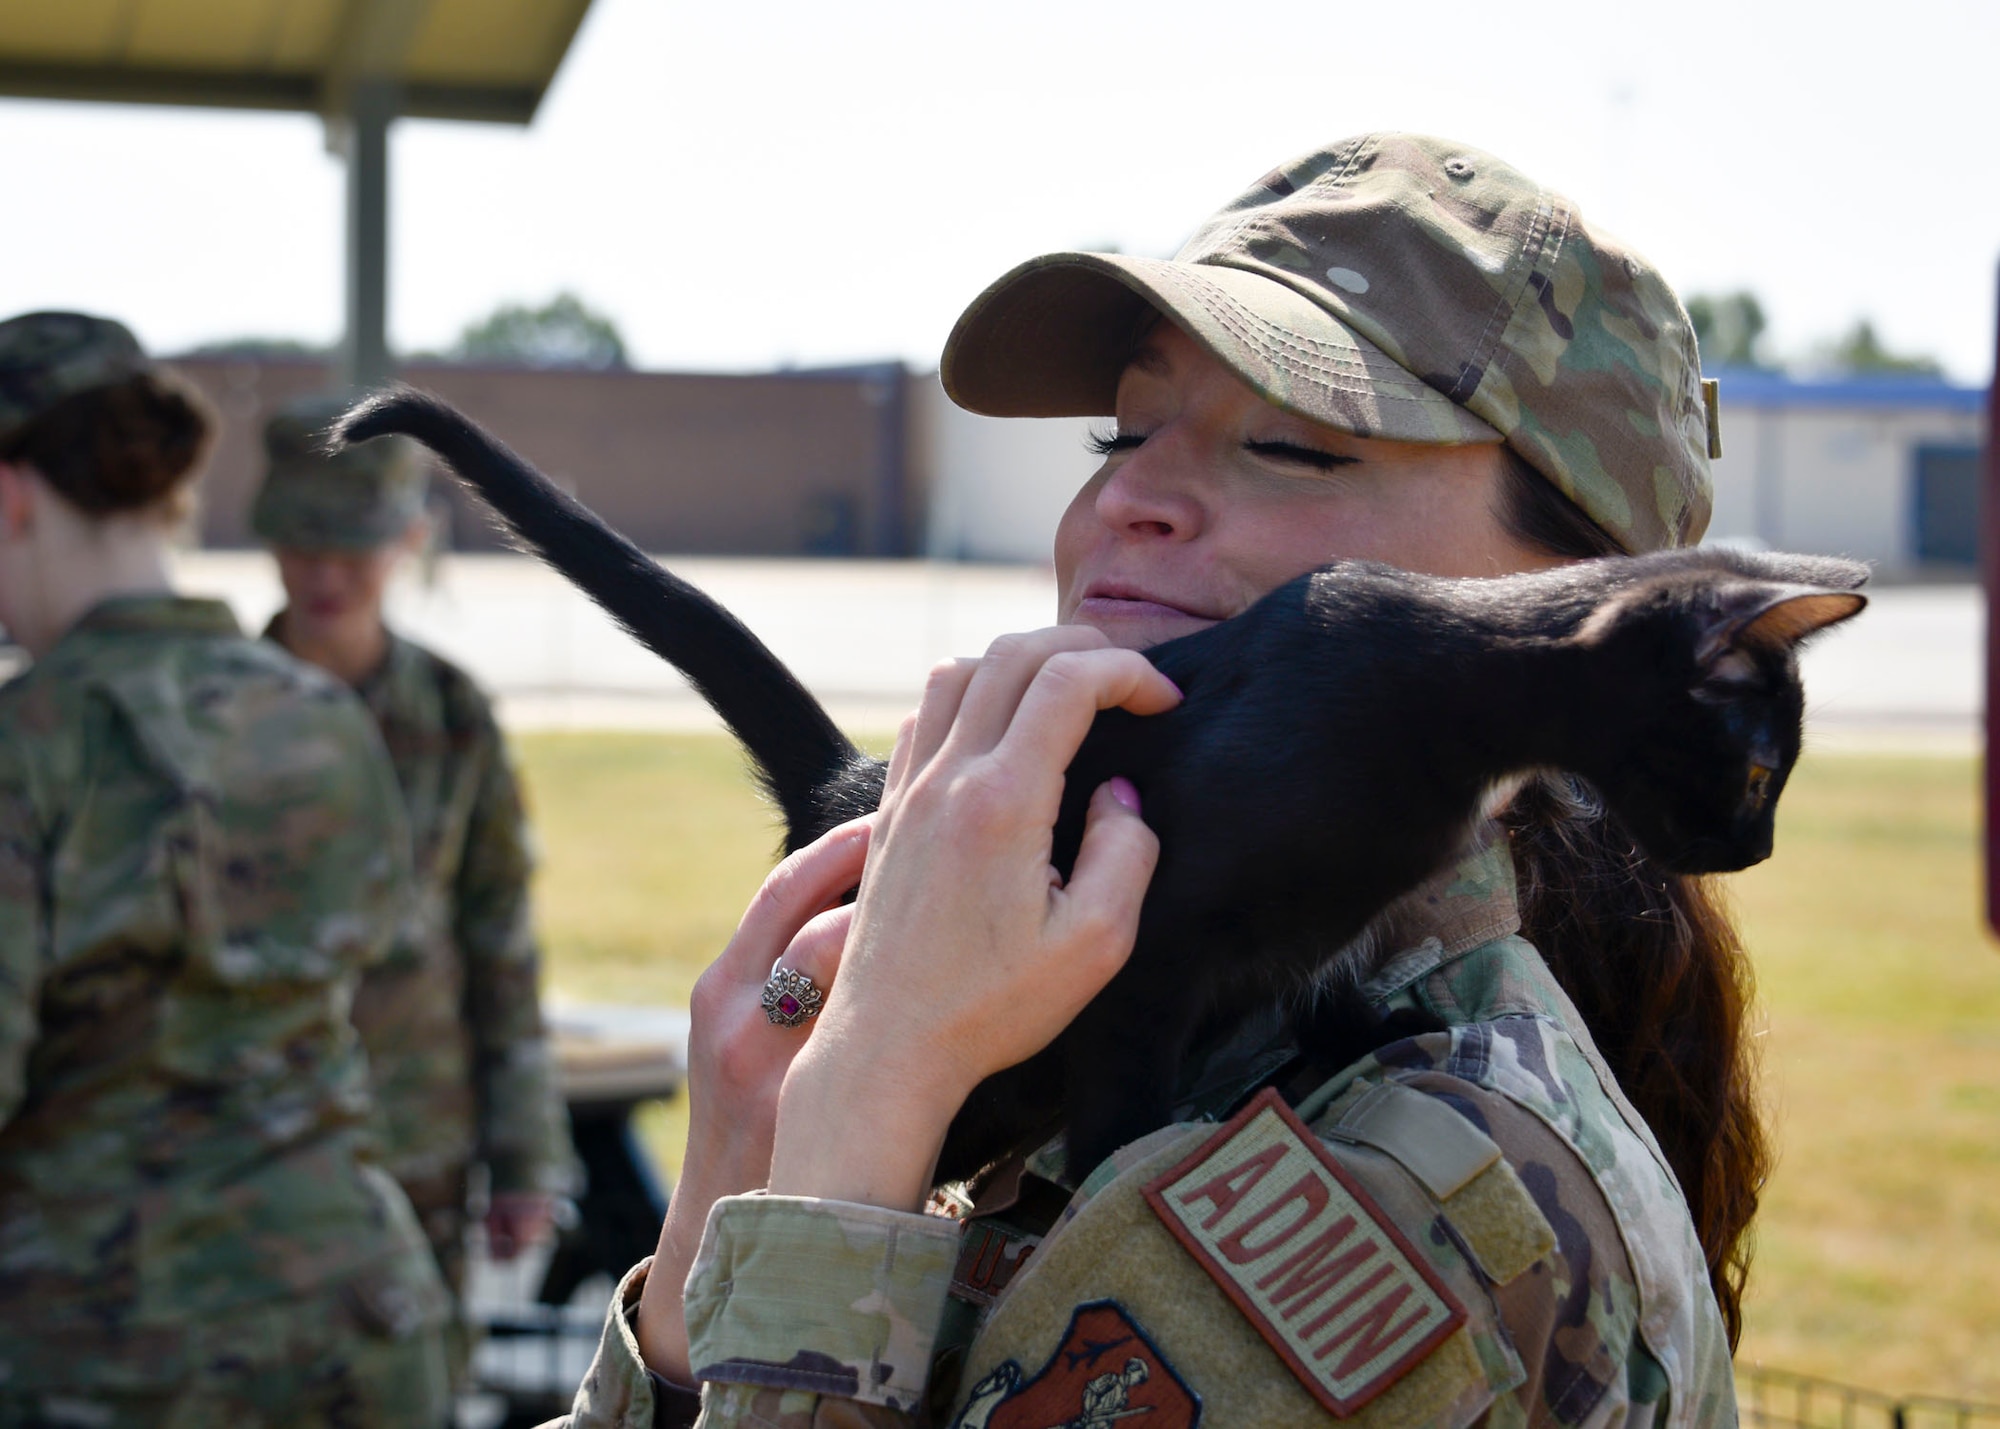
1479	1193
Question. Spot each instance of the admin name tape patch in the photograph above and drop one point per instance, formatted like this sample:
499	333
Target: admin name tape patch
1305	1253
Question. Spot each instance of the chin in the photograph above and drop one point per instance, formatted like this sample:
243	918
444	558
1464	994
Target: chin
315	625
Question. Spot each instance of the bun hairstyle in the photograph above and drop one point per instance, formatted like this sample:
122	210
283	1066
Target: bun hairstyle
127	446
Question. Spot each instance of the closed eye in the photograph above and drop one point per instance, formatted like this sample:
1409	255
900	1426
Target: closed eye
1108	443
1734	667
1729	676
1304	456
1105	443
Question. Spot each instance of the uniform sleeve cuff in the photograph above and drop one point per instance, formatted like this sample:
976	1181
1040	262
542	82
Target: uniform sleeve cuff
619	1392
675	1406
828	1297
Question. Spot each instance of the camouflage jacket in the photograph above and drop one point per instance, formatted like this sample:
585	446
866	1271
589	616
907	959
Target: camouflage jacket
1472	1226
451	1017
201	845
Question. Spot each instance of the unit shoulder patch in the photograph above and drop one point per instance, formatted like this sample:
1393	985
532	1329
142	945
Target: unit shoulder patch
1307	1255
1105	1371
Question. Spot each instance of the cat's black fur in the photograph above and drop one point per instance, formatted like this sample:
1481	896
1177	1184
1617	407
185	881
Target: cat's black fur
1333	750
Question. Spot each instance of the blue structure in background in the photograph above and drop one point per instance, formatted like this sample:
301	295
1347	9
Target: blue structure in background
1882	467
1754	387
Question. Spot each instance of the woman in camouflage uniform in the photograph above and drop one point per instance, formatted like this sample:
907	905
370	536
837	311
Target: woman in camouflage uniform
200	847
451	1018
1394	348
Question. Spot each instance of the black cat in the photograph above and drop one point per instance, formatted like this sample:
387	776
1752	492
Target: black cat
1334	748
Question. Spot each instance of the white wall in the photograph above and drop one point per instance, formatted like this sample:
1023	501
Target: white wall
1832	480
1737	493
997	486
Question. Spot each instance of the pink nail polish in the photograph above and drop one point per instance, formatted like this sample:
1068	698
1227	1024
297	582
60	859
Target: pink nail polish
1124	792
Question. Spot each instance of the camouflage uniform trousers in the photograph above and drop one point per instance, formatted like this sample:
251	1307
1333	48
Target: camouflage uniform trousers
333	1361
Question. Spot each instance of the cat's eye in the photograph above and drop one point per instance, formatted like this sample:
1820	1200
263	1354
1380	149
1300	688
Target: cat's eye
1728	676
1733	667
1758	792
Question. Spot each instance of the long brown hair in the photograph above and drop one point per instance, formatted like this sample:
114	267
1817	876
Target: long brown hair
1650	958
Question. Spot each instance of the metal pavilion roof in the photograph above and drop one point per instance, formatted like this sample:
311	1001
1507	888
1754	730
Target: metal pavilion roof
449	59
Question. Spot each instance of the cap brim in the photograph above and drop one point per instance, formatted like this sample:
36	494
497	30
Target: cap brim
1051	338
308	525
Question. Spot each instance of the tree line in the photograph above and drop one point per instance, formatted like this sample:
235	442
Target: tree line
565	332
1730	327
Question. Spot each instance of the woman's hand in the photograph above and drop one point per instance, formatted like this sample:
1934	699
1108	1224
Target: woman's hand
968	953
516	1220
737	1062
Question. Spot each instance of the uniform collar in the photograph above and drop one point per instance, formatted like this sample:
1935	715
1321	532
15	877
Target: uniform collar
1465	907
1468	906
395	656
159	614
378	682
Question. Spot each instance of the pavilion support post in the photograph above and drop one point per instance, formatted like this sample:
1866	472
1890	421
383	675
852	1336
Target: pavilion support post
1989	520
365	360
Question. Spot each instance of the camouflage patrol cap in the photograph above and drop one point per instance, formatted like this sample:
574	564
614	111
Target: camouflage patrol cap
1396	286
360	497
45	357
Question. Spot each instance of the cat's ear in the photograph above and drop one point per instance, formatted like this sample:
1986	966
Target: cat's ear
1770	615
1826	572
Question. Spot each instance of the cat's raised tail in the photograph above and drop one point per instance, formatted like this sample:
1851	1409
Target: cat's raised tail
795	744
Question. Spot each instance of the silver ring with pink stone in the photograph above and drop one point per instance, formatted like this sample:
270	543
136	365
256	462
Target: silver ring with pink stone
790	997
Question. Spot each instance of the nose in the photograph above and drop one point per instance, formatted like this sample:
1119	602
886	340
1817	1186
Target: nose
1155	492
324	578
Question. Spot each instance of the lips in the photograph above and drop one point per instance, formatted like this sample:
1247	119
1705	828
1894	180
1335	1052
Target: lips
1131	599
1136	617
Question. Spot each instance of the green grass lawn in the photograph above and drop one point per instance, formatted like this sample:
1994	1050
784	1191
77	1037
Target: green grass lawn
1879	1241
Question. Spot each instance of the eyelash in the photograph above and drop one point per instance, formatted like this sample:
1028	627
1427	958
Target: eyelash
1106	443
1305	456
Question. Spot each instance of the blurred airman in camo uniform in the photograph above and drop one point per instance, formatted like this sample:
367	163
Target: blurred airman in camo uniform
451	1019
1469	1226
201	846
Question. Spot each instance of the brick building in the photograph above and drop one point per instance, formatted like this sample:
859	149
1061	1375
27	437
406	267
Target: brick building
875	461
779	463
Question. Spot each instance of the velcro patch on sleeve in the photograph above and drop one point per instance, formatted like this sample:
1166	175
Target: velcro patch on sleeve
1307	1255
989	1254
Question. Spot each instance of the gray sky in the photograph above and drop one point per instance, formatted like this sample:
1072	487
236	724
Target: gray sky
746	185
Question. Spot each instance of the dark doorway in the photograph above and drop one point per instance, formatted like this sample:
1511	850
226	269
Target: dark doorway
1947	505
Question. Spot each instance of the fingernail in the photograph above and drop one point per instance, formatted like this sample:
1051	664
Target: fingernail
1124	792
1177	689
